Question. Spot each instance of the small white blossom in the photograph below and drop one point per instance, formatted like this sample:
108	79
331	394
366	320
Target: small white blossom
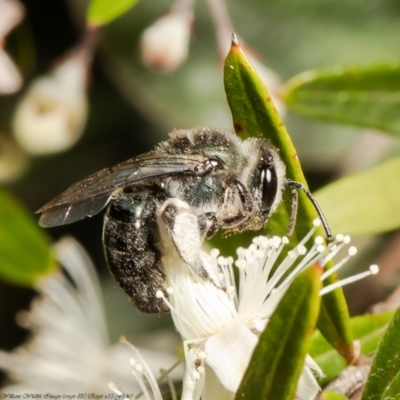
11	14
52	114
165	44
220	328
69	352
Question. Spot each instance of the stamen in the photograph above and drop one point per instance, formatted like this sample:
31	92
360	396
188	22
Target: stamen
139	367
214	253
319	240
171	385
143	371
347	239
202	355
309	234
335	247
339	238
118	392
141	383
373	270
351	252
317	222
301	250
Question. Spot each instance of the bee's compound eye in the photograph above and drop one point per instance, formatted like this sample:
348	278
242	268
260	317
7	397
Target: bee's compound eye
269	183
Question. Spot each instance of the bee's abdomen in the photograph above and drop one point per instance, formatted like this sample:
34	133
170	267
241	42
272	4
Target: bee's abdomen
130	232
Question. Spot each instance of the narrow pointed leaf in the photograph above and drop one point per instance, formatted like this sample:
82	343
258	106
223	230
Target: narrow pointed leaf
102	12
393	389
254	115
278	359
24	250
370	196
386	365
368	329
364	96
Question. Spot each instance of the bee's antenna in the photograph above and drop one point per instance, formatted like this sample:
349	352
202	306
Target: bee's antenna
294	186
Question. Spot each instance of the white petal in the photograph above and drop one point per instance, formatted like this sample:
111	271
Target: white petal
164	45
228	353
213	388
11	13
307	387
310	363
52	114
10	78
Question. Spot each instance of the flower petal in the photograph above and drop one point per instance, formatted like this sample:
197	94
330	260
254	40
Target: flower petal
228	353
10	78
307	387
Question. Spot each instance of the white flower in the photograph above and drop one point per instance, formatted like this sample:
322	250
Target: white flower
11	14
164	45
69	352
220	328
52	114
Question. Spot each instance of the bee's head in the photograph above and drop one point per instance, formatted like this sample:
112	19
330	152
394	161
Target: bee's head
266	181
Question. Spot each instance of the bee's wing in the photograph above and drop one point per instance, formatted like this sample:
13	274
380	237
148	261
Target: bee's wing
89	196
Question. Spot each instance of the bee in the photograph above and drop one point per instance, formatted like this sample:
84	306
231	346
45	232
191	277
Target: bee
190	186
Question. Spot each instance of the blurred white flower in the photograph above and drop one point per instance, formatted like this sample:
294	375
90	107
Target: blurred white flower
69	352
11	14
145	377
13	161
165	44
220	328
52	114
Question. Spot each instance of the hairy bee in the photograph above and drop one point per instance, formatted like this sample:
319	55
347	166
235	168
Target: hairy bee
195	183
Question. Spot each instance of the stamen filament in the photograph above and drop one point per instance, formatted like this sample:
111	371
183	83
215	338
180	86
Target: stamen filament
147	372
118	392
336	267
373	270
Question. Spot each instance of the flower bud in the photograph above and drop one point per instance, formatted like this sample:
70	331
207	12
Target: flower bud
11	14
10	77
52	114
164	45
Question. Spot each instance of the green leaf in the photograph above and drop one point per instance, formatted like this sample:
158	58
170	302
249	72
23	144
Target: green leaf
332	396
364	203
368	329
385	369
102	12
255	115
363	96
393	389
278	358
24	250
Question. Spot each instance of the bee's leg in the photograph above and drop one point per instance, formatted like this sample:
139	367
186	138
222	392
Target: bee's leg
208	224
181	227
237	223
